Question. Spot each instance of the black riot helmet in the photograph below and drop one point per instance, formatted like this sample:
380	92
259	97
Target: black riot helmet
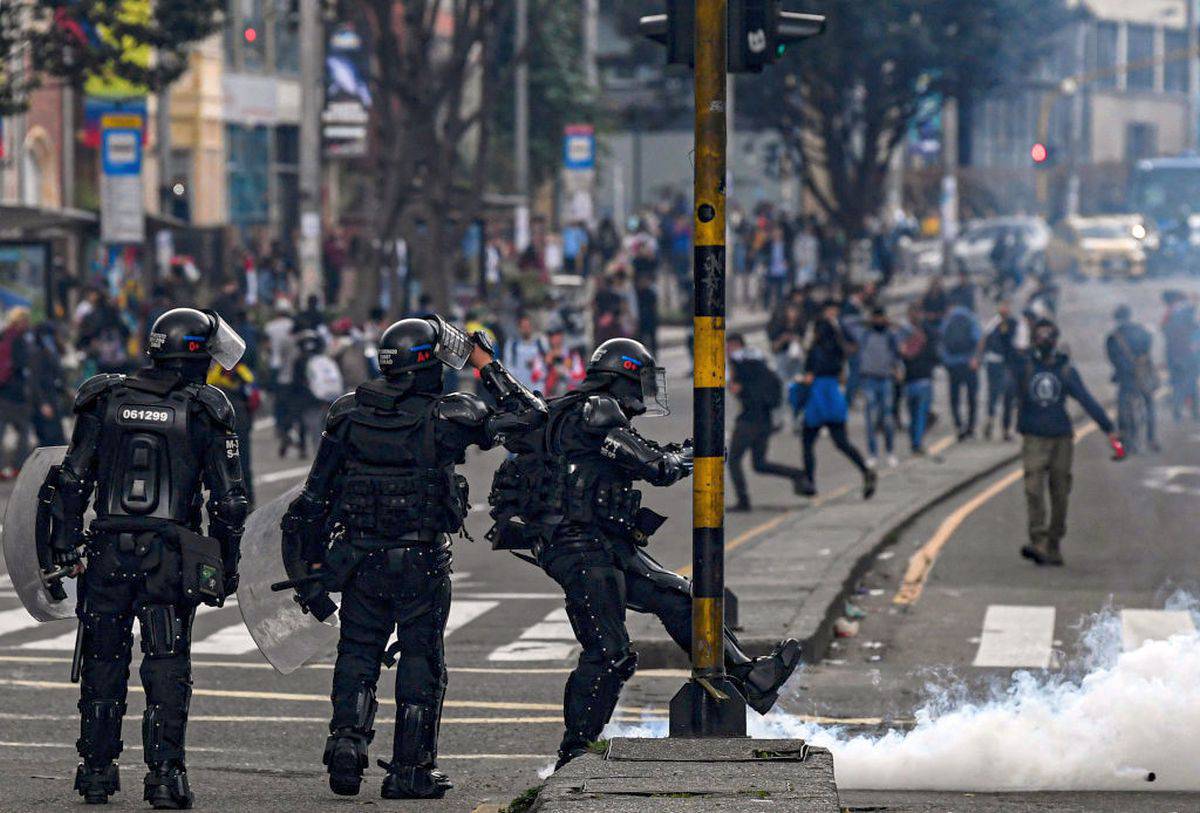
420	347
627	370
190	337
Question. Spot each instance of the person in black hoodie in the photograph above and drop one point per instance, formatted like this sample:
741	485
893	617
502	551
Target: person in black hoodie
998	352
1129	349
1045	378
760	392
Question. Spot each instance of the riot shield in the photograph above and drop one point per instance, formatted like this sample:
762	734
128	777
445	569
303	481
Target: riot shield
288	637
19	539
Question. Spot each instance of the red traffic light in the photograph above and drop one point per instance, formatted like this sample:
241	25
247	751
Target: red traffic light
250	34
1039	153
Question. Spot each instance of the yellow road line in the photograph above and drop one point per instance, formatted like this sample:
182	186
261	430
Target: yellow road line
920	564
236	694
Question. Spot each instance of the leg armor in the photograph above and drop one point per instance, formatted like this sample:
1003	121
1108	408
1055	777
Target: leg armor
596	607
412	773
346	748
107	637
762	678
167	677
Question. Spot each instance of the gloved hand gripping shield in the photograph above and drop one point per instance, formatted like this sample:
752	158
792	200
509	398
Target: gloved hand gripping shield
287	636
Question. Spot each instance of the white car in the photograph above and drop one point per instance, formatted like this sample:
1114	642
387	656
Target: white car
973	248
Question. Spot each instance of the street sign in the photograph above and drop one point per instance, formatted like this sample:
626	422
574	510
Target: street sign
579	147
122	213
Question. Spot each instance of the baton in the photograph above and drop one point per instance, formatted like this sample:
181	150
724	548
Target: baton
292	584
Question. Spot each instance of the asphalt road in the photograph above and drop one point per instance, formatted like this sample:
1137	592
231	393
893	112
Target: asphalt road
256	737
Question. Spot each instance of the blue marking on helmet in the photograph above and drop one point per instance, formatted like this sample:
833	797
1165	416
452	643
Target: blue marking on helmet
633	360
196	338
421	347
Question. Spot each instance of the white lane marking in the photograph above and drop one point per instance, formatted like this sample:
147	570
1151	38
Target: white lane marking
1140	626
16	620
66	641
5	579
549	631
232	640
464	612
509	596
204	750
458	577
532	651
551	639
1016	636
282	475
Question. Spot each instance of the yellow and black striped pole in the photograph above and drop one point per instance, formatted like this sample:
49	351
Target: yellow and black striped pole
709	705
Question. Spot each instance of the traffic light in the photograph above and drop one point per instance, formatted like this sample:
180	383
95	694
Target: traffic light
1040	154
759	32
676	29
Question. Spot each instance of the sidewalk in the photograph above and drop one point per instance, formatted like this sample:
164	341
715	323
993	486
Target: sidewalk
680	776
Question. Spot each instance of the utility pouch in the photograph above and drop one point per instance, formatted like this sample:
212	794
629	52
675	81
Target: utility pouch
645	524
202	569
341	560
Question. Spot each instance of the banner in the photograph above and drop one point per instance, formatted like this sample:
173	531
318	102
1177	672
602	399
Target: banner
346	115
122	216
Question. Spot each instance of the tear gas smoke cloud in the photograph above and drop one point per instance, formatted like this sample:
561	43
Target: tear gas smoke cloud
1111	720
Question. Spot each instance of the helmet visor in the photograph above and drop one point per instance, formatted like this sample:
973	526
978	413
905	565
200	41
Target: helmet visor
654	392
453	346
226	346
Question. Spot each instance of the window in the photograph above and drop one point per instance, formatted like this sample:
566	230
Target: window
1140	74
1102	54
1141	141
287	37
248	167
1175	65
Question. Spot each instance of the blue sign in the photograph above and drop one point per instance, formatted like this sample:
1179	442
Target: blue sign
121	151
579	147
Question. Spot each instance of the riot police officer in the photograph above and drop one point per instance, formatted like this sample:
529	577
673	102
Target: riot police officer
148	444
383	481
568	496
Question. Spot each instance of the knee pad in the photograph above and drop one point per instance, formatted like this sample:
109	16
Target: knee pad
105	636
163	631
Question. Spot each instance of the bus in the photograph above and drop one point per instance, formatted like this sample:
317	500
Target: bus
1167	192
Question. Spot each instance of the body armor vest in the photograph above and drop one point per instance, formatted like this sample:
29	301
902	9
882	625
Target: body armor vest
394	486
546	488
151	468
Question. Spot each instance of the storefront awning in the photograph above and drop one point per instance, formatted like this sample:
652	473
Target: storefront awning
26	221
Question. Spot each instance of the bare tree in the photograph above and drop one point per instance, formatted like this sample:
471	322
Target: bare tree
434	76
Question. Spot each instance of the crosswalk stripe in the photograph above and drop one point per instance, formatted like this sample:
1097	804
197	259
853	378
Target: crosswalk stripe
1016	636
464	612
550	639
1141	626
16	620
232	640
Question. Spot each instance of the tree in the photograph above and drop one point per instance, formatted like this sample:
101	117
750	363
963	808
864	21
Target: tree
842	102
441	78
128	40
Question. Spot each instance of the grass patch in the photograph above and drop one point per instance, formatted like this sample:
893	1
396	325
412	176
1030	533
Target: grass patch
524	802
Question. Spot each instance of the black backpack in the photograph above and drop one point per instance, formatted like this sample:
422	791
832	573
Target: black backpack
958	337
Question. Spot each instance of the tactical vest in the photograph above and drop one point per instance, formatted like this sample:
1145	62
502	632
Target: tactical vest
546	489
394	488
150	467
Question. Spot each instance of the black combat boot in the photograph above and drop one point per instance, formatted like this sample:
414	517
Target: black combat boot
96	783
166	786
346	757
413	782
763	677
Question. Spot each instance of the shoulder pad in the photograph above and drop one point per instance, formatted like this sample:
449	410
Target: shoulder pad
340	409
463	408
216	404
602	412
94	388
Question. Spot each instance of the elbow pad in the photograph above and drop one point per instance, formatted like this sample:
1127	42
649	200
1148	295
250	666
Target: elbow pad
643	457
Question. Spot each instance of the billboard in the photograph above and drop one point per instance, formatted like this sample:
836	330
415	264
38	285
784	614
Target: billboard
346	115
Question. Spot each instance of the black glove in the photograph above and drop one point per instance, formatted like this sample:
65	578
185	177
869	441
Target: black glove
65	557
314	598
231	583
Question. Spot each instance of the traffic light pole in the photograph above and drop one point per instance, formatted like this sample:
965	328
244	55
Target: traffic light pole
709	705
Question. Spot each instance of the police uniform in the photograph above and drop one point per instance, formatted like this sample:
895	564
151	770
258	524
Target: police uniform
148	444
384	482
569	496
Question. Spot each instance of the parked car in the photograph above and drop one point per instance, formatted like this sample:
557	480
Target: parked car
1101	247
973	248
